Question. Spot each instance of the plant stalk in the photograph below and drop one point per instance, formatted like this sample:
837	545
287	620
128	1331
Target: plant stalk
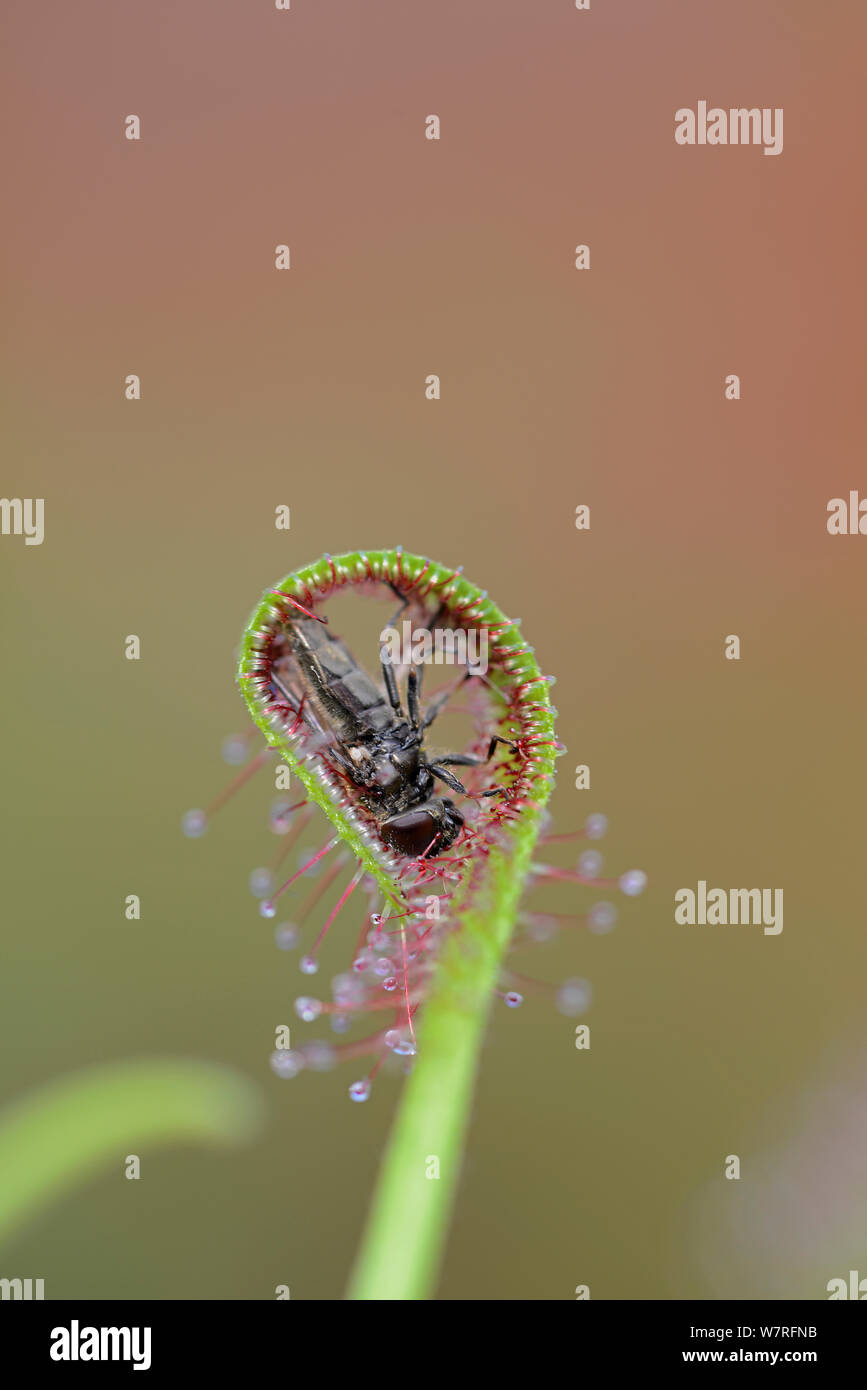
409	1217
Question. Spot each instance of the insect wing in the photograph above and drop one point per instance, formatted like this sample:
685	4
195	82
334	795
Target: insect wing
346	696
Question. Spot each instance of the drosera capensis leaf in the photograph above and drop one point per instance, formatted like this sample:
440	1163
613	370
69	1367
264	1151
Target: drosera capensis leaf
407	1226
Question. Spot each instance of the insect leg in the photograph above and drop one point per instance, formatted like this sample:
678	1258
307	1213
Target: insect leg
509	743
413	691
413	680
436	617
470	760
404	603
387	670
416	670
390	682
445	776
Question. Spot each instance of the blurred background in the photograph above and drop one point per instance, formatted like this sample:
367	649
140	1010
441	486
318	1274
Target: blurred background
306	388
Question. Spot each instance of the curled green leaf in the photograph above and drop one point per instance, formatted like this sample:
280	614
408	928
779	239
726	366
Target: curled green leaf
408	1221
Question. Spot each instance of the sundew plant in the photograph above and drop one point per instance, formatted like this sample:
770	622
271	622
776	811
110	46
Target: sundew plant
429	856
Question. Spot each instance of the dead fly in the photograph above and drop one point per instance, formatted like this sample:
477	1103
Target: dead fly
366	735
358	745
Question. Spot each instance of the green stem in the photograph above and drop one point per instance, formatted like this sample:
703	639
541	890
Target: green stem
409	1218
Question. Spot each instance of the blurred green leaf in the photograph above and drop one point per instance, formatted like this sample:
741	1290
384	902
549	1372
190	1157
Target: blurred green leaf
58	1136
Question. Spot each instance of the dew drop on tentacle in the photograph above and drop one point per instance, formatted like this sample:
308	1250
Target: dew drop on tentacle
541	927
194	824
633	882
595	826
573	997
287	936
234	750
601	918
347	990
286	1064
307	1009
261	882
590	863
399	1041
319	1056
308	965
359	1090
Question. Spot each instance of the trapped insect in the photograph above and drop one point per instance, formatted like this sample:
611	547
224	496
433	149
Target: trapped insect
362	752
368	736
